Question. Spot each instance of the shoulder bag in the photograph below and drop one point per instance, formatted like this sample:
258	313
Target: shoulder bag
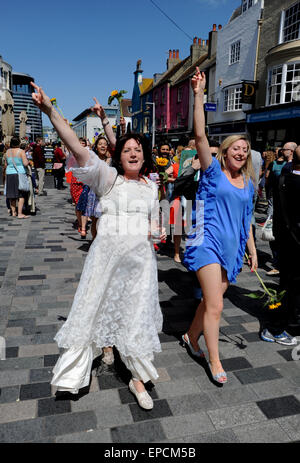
23	180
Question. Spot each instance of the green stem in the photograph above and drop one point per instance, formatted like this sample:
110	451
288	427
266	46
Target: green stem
260	280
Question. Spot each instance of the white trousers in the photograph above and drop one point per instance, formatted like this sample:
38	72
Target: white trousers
73	369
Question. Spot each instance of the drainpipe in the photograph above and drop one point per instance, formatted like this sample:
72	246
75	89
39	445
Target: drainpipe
260	21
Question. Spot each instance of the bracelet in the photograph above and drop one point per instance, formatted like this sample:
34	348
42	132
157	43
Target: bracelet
105	123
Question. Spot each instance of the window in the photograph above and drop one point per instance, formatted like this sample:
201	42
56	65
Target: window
179	120
146	124
179	94
246	4
232	99
275	80
235	50
284	84
291	23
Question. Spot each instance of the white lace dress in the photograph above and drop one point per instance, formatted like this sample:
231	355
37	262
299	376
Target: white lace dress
116	302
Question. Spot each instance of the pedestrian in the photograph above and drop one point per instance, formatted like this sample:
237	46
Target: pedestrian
288	314
76	189
59	166
220	231
116	302
39	164
15	164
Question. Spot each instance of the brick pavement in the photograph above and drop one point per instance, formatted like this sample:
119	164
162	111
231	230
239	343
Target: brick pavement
40	264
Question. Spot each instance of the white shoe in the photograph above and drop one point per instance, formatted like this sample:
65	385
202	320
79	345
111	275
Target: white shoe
143	398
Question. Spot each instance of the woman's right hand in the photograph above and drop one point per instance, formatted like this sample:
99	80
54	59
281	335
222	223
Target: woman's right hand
198	81
98	109
41	100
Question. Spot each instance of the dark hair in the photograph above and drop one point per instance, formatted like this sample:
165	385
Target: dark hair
83	139
214	144
14	142
164	144
296	156
147	166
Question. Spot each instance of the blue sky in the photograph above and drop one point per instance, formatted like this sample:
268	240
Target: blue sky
80	49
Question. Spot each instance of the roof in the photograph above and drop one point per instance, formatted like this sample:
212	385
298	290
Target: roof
190	71
88	111
171	72
126	103
146	85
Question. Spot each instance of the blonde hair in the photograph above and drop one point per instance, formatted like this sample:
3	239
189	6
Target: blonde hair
247	169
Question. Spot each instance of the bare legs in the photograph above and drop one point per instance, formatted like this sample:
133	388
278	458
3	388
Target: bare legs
213	281
177	241
20	206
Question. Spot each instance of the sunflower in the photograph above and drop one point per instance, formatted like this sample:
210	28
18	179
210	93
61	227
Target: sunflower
119	96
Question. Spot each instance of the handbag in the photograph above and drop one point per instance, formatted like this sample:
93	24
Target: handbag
23	180
267	231
186	186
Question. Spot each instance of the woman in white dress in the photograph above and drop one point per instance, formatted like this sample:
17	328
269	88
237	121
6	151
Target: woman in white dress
116	302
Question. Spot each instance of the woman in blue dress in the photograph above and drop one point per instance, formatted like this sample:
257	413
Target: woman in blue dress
220	229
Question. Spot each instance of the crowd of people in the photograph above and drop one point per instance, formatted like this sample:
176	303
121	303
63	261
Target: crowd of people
138	200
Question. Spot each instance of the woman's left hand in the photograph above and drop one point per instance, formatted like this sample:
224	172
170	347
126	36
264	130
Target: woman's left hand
252	261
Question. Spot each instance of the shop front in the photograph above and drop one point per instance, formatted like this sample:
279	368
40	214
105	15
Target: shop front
271	127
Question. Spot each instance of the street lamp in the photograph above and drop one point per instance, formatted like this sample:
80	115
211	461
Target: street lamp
153	122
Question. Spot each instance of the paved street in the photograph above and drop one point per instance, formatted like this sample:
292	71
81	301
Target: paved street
40	264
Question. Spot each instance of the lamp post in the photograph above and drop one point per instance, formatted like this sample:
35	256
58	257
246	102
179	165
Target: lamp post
153	122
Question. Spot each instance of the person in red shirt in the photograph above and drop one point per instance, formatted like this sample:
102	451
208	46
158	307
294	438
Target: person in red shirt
59	166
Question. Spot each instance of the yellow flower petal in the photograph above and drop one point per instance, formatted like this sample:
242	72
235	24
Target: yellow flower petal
114	93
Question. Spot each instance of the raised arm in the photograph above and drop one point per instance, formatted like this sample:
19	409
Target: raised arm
42	101
202	146
99	110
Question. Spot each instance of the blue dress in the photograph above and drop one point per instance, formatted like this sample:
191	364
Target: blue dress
221	217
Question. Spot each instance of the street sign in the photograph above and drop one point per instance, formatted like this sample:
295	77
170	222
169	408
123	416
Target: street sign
210	106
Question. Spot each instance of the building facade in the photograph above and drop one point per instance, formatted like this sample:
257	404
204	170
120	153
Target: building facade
235	63
141	106
88	125
22	91
5	93
275	118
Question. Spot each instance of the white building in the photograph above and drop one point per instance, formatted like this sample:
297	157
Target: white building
88	125
5	78
235	63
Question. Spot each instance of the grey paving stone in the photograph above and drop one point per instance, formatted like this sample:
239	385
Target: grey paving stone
40	375
108	417
266	433
280	406
90	436
52	406
274	388
9	394
21	363
177	388
35	391
256	375
236	416
97	400
186	425
192	403
144	432
57	425
218	437
185	371
291	425
13	378
161	409
232	395
18	411
21	431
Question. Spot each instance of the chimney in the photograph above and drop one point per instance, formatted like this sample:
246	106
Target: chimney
197	49
212	40
173	58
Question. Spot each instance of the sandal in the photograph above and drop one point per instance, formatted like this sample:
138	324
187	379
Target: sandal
187	344
217	377
83	234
